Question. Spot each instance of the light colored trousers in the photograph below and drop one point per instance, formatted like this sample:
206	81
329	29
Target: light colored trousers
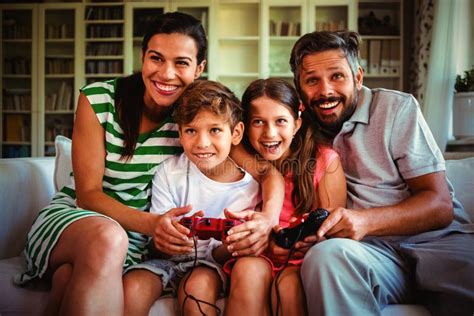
347	277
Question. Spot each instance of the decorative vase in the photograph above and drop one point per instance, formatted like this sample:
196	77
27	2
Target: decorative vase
463	114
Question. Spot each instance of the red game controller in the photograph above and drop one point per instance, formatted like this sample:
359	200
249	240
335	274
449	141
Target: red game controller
206	227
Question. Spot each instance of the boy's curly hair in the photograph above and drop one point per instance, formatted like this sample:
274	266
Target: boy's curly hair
211	96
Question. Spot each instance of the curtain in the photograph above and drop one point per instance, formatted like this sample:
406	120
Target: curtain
449	51
423	26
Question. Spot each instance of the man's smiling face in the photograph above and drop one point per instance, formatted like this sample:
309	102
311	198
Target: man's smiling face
328	87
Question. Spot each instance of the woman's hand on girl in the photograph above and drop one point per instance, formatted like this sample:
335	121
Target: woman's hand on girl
169	236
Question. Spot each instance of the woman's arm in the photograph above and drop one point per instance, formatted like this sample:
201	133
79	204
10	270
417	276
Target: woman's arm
88	161
251	238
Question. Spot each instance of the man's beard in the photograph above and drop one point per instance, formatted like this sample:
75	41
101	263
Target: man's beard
330	128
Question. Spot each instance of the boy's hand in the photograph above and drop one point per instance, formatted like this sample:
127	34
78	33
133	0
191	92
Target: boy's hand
170	237
251	237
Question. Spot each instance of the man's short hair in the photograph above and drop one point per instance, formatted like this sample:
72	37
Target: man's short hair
315	42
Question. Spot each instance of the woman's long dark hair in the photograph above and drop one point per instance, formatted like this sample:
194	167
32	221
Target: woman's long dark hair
302	160
130	90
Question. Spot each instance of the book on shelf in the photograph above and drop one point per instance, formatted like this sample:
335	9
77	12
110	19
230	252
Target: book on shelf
375	50
330	26
364	55
57	127
17	128
60	31
284	28
17	66
16	151
395	57
17	99
61	100
385	62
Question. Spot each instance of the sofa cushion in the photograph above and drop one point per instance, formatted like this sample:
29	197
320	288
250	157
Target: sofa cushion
26	186
460	173
15	300
63	163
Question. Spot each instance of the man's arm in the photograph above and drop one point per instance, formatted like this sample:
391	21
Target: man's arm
429	207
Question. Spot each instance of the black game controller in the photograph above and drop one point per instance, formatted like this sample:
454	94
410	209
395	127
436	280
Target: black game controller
298	230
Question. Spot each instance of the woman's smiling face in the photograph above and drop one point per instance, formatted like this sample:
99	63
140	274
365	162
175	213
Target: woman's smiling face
169	66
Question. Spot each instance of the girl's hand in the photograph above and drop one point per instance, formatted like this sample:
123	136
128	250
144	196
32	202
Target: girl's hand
276	253
169	236
251	237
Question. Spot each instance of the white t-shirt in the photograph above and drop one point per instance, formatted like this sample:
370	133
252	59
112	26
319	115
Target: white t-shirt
178	182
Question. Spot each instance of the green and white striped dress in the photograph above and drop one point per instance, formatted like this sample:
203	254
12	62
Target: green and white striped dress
126	181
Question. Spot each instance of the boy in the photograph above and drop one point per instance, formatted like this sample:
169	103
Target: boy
206	179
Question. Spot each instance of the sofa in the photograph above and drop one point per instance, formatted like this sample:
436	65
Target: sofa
27	184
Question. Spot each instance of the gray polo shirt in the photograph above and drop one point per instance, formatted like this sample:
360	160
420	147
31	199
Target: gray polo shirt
385	142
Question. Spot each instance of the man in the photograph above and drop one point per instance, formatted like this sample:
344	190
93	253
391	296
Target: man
399	239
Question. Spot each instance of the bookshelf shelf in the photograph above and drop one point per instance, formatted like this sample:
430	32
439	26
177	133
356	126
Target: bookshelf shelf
104	75
291	39
16	143
120	21
239	75
105	39
105	57
26	112
59	40
59	112
59	76
9	76
17	41
239	38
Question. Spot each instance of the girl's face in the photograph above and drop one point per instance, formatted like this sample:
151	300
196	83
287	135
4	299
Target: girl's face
271	128
169	66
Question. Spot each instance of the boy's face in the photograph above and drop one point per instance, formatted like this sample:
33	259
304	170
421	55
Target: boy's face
207	140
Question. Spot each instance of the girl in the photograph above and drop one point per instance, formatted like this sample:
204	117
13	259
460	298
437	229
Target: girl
312	171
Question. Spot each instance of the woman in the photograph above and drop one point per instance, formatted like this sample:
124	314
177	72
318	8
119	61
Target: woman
123	130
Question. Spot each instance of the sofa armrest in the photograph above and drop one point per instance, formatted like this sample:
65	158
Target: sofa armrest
26	185
461	174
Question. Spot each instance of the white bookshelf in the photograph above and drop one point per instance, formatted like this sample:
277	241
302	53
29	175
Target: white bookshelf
247	39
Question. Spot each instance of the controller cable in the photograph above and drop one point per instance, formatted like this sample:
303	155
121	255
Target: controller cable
277	277
191	297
